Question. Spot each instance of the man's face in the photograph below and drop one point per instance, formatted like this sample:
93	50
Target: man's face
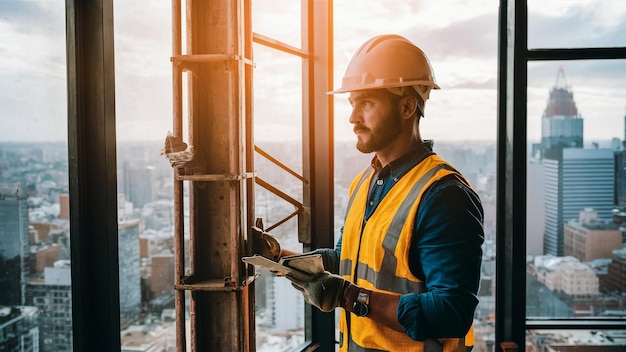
376	119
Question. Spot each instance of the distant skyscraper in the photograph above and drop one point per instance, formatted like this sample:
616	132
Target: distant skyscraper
18	329
53	297
64	206
130	275
575	179
588	238
535	207
620	178
616	277
561	124
139	183
14	251
162	274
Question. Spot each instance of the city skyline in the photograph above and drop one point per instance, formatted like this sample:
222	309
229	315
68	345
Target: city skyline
480	164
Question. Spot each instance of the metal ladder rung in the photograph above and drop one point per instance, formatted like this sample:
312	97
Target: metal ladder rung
215	177
180	60
225	285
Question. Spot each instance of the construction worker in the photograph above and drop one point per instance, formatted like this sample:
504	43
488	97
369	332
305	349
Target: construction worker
406	268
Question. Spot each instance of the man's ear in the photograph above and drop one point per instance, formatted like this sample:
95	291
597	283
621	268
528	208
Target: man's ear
409	106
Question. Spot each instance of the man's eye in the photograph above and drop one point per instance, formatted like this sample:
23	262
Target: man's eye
366	103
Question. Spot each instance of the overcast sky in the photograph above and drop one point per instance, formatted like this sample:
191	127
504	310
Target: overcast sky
460	38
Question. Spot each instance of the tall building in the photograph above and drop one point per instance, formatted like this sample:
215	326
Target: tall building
64	206
620	178
288	309
535	207
567	275
615	280
52	295
576	179
561	124
130	275
589	238
139	184
18	329
14	251
162	274
44	256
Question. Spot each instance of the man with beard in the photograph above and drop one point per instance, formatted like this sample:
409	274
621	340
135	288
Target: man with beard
406	268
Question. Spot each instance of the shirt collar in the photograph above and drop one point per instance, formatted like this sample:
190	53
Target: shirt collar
401	165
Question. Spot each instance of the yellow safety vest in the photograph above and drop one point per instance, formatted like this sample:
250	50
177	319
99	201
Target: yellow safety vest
374	255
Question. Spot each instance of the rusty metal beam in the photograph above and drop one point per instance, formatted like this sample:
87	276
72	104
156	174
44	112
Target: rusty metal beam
220	177
217	210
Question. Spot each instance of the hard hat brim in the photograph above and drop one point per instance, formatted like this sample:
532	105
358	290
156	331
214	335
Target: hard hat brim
349	89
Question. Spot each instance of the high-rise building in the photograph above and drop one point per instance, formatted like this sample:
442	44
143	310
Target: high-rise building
64	206
615	280
18	329
567	275
52	295
44	256
535	207
588	238
620	178
561	124
130	275
576	179
14	252
162	274
139	183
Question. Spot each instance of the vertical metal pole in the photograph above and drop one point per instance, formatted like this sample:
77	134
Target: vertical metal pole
249	291
318	151
511	195
92	175
179	208
216	210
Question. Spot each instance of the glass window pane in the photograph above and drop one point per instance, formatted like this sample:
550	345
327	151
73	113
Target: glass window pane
575	231
278	132
143	97
575	23
279	20
35	299
576	340
278	102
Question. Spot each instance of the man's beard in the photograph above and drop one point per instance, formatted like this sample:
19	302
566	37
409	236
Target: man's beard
382	135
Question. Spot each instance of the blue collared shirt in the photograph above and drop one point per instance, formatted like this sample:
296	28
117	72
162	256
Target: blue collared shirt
446	251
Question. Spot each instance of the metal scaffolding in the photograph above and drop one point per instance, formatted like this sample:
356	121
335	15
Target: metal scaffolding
217	167
214	161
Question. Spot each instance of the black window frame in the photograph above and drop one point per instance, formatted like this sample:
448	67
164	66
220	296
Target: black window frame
513	58
92	175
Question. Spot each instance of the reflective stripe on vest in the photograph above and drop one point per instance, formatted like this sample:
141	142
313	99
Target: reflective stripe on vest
430	345
389	281
386	282
365	174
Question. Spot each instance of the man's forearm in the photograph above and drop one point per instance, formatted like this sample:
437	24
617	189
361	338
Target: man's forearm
382	306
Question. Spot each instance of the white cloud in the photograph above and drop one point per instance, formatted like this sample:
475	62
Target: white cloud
459	36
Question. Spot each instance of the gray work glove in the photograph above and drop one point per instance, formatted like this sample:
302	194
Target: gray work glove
326	291
265	244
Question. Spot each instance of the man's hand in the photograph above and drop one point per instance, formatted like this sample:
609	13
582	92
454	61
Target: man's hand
326	291
265	244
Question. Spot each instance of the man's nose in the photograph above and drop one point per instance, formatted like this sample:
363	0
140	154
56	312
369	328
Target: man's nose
354	116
